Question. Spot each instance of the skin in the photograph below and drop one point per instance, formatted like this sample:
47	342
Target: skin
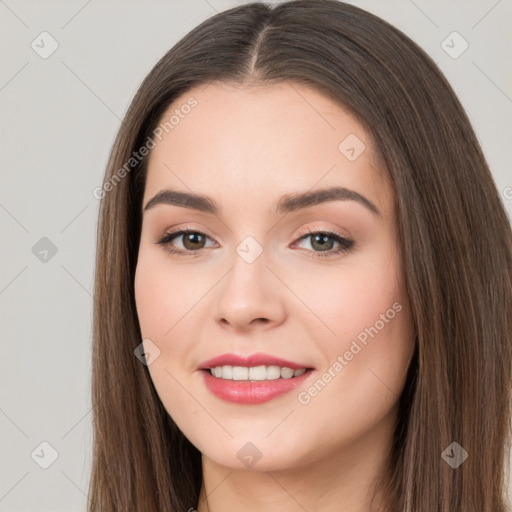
245	148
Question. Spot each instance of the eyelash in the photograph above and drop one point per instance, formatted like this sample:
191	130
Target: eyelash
345	244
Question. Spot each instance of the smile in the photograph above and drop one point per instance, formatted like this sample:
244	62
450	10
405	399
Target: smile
252	379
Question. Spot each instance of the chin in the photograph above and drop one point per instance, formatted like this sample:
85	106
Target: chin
262	454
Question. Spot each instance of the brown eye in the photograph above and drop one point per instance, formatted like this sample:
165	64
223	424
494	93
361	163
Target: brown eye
192	240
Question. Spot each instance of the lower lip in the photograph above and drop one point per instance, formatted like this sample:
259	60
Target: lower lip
251	392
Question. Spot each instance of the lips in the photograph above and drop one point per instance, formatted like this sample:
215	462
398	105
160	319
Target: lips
228	377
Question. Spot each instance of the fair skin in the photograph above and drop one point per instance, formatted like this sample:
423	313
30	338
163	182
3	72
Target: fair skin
245	148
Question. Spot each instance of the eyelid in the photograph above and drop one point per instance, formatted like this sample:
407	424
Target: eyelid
180	229
333	231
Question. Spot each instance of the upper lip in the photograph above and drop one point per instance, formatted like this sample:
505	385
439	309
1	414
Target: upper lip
259	359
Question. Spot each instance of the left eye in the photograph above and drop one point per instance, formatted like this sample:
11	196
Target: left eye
321	242
324	240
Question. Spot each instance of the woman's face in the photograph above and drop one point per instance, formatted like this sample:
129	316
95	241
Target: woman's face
270	283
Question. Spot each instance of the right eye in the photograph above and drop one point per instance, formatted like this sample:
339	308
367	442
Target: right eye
192	241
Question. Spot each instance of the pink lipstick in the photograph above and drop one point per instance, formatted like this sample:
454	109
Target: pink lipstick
254	379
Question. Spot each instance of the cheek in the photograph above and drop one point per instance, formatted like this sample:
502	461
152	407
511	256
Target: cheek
353	298
374	331
370	334
164	300
366	360
163	297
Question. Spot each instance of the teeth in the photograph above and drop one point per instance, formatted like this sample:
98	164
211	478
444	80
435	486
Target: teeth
273	372
227	372
255	372
287	373
239	372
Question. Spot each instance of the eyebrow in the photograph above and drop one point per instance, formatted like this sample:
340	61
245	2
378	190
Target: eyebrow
287	203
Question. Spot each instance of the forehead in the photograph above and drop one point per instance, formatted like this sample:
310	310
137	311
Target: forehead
262	139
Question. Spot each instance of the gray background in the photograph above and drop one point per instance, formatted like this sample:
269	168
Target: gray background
58	119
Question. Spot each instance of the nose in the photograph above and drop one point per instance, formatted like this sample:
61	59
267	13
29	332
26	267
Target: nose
250	296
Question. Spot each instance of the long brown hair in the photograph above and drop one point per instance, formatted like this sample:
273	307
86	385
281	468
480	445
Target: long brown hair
456	252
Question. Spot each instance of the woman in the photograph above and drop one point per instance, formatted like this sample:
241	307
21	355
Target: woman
303	281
